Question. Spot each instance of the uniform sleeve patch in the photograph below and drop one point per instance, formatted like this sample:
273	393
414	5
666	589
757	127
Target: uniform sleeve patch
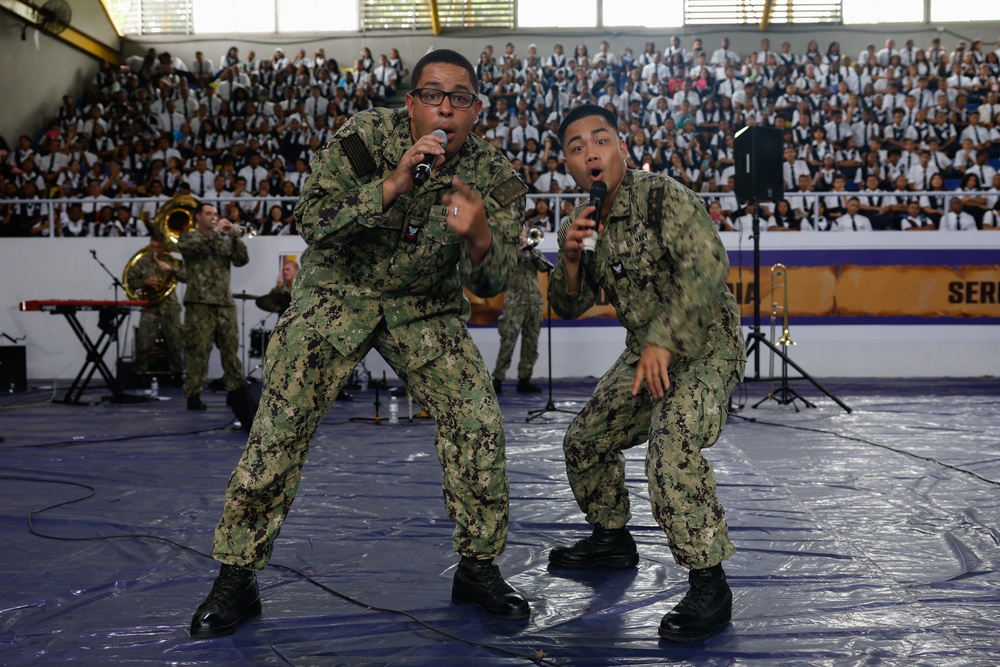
357	154
654	209
509	191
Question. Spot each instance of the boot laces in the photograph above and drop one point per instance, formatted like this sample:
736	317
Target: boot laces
230	581
696	599
490	576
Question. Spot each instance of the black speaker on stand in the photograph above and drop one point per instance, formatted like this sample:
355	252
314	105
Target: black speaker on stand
757	152
759	177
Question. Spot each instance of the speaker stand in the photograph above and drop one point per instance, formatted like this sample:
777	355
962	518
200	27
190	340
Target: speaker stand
756	339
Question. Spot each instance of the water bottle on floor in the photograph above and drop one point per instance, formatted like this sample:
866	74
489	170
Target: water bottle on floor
393	410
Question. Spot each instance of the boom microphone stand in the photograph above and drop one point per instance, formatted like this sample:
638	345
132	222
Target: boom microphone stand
109	321
550	406
755	338
115	283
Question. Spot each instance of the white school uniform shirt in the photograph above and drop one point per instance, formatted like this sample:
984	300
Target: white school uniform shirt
852	223
960	222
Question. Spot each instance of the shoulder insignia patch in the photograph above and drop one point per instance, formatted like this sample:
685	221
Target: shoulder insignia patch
509	191
357	154
654	208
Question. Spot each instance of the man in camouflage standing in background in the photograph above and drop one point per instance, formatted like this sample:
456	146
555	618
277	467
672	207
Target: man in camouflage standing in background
384	268
663	267
209	251
161	316
522	314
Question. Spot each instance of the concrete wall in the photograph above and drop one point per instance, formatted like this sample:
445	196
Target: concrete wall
39	70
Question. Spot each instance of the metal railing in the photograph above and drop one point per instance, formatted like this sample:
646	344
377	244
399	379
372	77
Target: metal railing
556	199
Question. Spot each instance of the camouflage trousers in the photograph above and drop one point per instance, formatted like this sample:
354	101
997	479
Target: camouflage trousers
163	318
678	426
302	375
526	320
205	326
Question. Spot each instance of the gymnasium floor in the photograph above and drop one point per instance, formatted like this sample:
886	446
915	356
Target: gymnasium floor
868	538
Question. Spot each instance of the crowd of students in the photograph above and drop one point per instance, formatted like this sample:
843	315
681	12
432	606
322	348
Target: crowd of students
890	128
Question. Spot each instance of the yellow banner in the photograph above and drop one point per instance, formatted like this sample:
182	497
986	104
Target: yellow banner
845	290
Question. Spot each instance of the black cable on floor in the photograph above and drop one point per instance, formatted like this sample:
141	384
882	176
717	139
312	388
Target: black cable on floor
538	658
890	448
121	438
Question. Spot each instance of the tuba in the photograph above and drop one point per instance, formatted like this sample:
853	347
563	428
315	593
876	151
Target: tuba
173	219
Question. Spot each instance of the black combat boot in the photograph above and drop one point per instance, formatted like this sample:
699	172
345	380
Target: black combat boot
497	386
195	403
524	386
707	606
604	548
234	598
479	582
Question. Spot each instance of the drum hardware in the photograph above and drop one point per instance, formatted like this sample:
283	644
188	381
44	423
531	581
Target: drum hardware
274	302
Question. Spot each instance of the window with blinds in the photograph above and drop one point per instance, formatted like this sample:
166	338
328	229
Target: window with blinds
697	12
452	14
154	17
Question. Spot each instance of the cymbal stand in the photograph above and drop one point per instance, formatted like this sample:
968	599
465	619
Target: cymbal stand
243	331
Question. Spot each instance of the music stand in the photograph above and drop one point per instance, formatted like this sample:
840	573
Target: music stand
550	406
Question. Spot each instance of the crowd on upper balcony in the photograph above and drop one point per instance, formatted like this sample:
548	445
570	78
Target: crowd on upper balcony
882	128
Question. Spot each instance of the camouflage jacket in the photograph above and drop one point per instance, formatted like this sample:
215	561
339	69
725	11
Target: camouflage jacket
405	265
523	289
147	267
663	267
208	257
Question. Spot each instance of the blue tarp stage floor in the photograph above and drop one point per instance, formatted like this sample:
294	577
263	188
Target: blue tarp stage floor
869	538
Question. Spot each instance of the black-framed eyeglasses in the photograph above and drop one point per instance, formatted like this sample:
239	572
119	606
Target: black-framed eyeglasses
433	97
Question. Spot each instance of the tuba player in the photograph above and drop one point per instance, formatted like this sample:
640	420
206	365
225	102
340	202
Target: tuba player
149	275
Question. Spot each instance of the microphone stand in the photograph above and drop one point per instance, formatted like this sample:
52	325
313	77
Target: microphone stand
109	321
550	406
115	284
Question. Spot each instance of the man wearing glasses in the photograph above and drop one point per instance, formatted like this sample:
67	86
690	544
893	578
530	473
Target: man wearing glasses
385	266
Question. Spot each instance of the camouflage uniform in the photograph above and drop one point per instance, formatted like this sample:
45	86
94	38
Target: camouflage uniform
162	316
522	314
663	267
209	309
391	281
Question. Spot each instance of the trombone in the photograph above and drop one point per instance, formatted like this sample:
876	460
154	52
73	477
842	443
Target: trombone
779	279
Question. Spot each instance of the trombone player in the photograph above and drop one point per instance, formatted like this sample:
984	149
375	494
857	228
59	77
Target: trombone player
152	275
522	314
209	251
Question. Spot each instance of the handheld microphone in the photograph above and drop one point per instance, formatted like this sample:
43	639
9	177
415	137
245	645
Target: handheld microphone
423	170
598	193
